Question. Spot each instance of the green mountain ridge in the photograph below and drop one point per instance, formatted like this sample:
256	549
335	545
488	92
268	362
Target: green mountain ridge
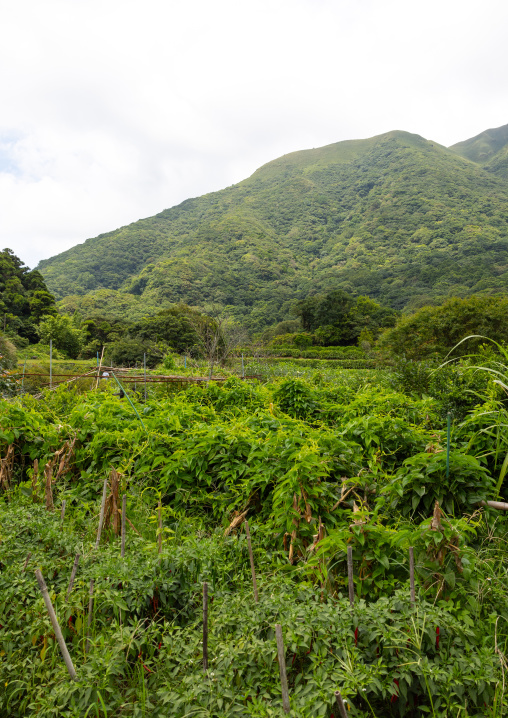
396	217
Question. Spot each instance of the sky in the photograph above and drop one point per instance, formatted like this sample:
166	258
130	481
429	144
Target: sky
113	110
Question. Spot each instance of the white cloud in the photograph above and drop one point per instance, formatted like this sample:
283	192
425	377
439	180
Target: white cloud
115	109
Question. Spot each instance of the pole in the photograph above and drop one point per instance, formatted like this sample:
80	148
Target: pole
55	624
51	363
23	378
90	610
243	368
101	517
129	400
124	509
412	575
448	427
62	514
252	568
73	576
282	668
144	369
159	537
205	626
185	362
351	585
340	705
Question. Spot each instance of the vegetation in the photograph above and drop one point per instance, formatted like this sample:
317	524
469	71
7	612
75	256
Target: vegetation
395	218
318	461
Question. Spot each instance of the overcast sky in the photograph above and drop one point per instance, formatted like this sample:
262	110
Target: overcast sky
113	110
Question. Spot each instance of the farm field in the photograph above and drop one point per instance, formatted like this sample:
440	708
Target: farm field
319	460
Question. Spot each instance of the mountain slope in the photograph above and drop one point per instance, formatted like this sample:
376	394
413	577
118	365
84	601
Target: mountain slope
489	149
396	217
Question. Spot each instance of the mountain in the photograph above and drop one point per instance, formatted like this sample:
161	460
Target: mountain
489	149
396	217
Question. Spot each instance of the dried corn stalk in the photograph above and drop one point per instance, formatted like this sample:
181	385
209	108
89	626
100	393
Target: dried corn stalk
237	521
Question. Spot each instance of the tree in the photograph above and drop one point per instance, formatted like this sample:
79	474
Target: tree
65	334
433	331
218	337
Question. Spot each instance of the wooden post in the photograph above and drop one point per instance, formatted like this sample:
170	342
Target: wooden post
124	509
144	370
29	555
205	626
101	516
412	575
48	472
55	624
62	514
251	556
90	610
51	363
159	537
351	584
114	476
340	705
73	576
282	667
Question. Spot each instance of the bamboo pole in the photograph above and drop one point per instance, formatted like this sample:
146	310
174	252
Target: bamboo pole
55	624
282	668
99	365
500	505
62	514
101	517
205	626
252	568
29	556
129	399
124	510
73	576
159	537
90	610
340	705
351	585
412	575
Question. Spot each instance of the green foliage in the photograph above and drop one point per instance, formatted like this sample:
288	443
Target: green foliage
395	218
65	334
24	298
422	480
315	462
435	331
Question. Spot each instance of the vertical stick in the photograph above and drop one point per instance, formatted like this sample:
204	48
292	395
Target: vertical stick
185	362
340	705
243	368
282	668
114	493
205	626
159	537
29	555
48	471
62	514
448	426
23	377
251	556
412	574
73	576
54	623
90	609
351	584
144	370
51	363
101	517
124	510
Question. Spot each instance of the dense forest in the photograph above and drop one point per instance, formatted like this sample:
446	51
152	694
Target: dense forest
396	218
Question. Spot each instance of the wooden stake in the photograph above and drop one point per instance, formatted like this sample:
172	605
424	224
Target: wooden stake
101	517
351	584
73	576
63	510
282	668
340	705
55	624
159	538
90	610
251	556
124	509
205	626
48	470
412	575
29	555
114	493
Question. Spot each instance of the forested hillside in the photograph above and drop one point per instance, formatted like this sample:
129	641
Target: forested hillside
395	217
